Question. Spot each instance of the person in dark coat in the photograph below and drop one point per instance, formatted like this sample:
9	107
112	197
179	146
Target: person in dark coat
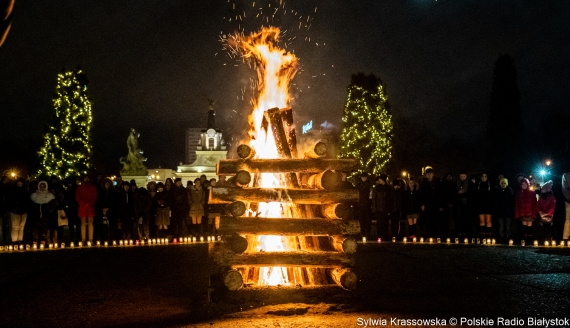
71	209
526	208
143	205
449	201
125	211
380	208
162	207
395	209
484	206
107	210
411	204
462	223
18	202
196	196
504	202
179	207
431	203
364	187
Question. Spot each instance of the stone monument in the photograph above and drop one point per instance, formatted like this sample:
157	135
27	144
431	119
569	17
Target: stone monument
133	164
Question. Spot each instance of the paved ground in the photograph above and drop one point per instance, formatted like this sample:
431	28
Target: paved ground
166	286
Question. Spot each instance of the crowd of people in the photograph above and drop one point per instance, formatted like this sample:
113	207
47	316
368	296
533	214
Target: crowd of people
44	212
471	206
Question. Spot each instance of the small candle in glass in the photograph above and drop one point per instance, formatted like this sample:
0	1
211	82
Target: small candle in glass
106	244
535	243
510	242
448	240
62	245
466	241
50	246
405	240
363	239
523	242
414	239
393	239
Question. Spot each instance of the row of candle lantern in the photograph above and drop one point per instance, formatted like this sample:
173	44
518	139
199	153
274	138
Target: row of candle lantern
483	241
159	241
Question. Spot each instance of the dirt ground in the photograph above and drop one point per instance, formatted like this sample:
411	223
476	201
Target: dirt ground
167	286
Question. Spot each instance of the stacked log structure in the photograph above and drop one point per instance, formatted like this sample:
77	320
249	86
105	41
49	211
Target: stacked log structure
320	223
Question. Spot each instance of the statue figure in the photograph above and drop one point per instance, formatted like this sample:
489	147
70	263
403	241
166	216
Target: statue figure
133	164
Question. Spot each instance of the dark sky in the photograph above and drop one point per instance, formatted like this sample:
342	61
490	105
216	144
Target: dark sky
153	65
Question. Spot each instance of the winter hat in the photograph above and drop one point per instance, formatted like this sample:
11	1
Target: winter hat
177	179
383	176
505	180
364	174
546	187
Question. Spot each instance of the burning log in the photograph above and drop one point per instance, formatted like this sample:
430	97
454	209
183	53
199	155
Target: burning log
289	126
245	152
329	180
273	116
289	227
344	277
242	179
280	165
297	196
236	209
232	279
284	259
344	245
319	150
337	211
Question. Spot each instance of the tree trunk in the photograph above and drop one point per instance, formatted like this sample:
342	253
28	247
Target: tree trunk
318	150
345	278
343	244
337	211
329	180
288	227
280	165
232	279
297	196
242	179
245	152
236	209
284	259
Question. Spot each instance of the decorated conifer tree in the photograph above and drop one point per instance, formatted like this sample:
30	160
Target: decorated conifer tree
67	148
367	124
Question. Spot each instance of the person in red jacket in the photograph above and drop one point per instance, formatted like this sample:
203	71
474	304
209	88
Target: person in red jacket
86	196
525	207
546	206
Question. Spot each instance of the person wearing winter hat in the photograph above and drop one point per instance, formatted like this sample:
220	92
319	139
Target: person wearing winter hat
39	212
546	206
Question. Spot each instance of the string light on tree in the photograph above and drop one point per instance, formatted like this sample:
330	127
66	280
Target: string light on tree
367	124
67	148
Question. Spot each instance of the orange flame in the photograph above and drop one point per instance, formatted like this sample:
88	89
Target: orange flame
275	69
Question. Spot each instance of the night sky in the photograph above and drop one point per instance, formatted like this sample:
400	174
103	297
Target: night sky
153	65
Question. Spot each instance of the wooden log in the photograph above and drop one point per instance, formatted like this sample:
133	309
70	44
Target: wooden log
236	209
242	179
280	165
273	116
232	279
337	211
343	244
344	277
329	180
318	150
285	259
245	151
288	227
297	196
235	242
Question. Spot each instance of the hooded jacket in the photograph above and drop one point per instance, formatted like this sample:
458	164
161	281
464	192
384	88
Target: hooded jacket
40	200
